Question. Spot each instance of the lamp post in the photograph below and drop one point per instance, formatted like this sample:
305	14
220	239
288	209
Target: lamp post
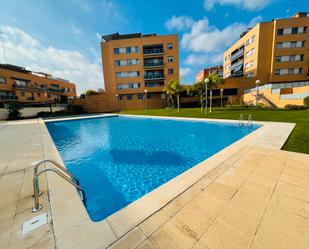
117	96
221	94
145	91
257	82
206	83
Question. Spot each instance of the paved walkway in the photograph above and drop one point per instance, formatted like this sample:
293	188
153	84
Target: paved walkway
258	198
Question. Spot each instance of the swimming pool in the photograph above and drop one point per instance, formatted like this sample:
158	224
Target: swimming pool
119	159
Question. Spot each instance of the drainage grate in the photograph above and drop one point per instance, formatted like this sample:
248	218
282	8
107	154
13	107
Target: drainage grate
34	223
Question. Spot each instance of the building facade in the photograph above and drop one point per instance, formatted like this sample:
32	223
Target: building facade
136	68
21	85
275	51
206	71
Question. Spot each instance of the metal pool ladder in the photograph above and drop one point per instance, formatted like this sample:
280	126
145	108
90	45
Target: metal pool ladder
241	120
250	120
36	189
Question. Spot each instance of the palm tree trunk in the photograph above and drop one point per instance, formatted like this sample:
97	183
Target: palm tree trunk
178	102
201	100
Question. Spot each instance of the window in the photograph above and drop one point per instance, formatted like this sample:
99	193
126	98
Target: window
288	71
22	93
249	64
2	80
249	75
170	46
163	96
120	97
140	96
250	52
279	31
154	83
126	50
128	62
129	97
293	31
170	59
291	44
39	94
128	86
149	96
170	71
251	40
127	74
20	82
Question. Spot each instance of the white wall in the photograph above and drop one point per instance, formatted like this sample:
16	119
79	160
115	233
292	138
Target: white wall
29	111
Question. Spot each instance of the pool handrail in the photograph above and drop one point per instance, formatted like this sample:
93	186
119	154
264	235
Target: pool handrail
37	206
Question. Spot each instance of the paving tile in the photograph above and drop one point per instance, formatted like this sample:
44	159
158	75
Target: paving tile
221	191
223	236
146	244
233	177
195	226
292	190
241	218
296	172
290	204
131	240
294	180
170	236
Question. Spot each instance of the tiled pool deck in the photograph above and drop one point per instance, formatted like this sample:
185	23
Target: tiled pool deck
250	195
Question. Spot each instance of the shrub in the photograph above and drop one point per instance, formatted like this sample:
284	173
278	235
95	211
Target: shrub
295	107
306	102
14	111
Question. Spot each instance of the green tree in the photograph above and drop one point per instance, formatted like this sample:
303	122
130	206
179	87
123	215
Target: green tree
173	89
91	92
214	81
14	111
198	89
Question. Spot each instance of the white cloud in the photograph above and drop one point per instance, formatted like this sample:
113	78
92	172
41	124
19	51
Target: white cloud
24	50
179	23
204	59
185	71
98	36
251	5
75	29
205	38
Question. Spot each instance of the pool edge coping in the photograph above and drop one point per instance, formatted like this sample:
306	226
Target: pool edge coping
123	221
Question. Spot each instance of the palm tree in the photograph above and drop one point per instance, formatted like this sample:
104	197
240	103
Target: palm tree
214	81
197	89
172	89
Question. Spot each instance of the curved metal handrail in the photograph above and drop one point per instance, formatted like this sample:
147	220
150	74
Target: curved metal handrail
37	205
38	163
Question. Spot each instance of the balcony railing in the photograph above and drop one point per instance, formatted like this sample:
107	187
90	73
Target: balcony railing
154	77
55	90
8	97
153	51
238	63
237	54
154	64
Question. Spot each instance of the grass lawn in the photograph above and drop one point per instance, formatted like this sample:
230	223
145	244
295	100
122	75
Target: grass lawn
298	140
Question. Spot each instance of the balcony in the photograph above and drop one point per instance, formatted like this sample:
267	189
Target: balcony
237	54
30	98
149	50
153	64
8	97
55	90
238	63
154	77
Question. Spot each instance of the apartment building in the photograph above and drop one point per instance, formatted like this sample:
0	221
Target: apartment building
25	86
275	51
137	67
206	71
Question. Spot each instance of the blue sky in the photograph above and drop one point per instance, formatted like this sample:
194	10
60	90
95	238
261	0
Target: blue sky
63	37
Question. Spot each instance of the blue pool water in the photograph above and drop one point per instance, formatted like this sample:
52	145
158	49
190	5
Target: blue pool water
119	159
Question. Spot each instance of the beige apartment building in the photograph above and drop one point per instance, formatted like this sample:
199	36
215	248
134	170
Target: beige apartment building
17	84
276	53
136	68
